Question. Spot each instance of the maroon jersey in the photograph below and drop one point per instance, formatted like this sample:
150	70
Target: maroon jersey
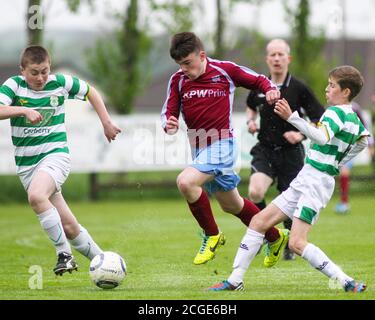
207	102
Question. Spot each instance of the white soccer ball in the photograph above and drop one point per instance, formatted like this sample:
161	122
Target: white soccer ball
107	270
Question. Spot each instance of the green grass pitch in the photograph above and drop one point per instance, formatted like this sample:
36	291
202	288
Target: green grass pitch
158	240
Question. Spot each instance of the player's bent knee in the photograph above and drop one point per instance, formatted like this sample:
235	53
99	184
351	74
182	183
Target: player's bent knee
36	199
184	185
296	245
256	195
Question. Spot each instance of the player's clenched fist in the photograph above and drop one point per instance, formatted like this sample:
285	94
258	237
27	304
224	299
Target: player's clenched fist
282	109
272	96
172	125
111	131
33	116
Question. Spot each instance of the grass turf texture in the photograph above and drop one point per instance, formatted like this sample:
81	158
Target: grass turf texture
158	240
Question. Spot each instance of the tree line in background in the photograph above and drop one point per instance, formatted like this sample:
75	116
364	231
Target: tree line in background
122	55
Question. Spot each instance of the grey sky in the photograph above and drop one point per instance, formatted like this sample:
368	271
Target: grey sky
269	18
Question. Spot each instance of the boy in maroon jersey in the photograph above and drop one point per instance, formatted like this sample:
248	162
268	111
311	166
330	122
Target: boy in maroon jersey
202	90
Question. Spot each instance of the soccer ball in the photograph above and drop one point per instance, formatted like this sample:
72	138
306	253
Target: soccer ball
107	270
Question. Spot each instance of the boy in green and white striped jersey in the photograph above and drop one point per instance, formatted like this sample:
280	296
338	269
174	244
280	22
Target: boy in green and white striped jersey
34	102
339	137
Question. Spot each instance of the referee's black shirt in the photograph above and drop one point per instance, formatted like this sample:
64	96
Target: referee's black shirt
272	127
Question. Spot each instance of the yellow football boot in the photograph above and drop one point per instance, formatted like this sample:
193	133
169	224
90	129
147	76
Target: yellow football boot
210	245
274	249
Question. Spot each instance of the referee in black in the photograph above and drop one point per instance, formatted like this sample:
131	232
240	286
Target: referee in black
279	155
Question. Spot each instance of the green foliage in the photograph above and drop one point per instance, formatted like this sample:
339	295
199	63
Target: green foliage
74	5
35	35
11	190
223	8
116	61
252	44
309	63
175	16
152	185
76	188
219	33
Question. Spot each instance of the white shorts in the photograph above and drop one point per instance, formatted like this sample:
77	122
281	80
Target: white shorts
307	194
56	165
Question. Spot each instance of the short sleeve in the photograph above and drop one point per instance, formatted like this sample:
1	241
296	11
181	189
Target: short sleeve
8	91
75	87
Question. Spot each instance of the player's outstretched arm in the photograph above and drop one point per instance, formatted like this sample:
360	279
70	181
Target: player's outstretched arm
316	135
172	125
7	112
110	129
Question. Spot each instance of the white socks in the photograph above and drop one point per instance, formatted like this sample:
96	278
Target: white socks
85	245
318	259
250	245
51	223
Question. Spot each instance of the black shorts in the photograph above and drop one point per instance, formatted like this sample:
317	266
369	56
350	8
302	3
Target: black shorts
282	164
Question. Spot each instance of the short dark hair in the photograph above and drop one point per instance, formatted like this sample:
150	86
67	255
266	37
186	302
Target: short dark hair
348	77
34	54
183	44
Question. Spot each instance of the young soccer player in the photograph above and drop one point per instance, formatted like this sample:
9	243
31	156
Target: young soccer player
203	91
339	137
34	102
279	155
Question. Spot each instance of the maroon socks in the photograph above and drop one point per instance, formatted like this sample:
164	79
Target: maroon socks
201	210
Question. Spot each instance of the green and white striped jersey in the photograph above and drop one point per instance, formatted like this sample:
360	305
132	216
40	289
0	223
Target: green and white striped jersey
33	142
344	128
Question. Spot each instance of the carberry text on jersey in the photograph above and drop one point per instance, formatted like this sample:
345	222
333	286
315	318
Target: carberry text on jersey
36	131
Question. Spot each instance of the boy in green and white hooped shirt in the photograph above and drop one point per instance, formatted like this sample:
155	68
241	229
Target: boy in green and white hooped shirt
34	102
339	137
